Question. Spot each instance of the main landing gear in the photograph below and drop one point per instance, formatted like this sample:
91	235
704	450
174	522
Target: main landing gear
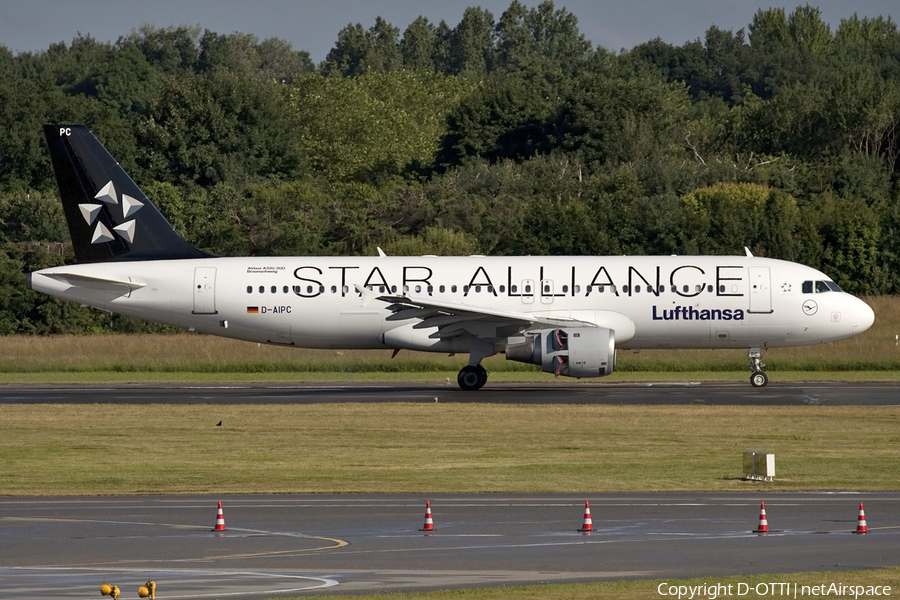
472	378
758	379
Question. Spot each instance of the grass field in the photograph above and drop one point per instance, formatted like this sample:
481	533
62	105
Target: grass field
382	448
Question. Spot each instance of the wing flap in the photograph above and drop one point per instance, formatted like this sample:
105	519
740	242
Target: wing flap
453	319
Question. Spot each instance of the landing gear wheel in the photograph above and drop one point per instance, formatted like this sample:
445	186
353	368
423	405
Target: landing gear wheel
471	378
759	379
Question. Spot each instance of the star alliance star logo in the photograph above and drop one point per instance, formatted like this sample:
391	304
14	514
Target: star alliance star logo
108	195
785	287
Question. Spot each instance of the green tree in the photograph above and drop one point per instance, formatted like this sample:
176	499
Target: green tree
219	126
418	45
172	50
378	125
472	44
433	240
126	81
612	120
541	37
236	52
359	51
509	116
849	233
279	61
723	218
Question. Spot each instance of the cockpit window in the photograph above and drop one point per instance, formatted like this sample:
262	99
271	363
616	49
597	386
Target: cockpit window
820	287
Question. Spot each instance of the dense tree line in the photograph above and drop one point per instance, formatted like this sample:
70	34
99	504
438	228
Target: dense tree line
500	135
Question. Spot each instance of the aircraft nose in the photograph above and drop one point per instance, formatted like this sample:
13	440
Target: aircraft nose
862	316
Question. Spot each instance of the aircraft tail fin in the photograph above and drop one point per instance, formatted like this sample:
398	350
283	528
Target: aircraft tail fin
109	217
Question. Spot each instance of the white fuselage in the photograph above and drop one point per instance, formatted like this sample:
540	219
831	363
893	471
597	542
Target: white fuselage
315	302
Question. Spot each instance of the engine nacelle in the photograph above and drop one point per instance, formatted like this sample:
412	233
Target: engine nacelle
570	351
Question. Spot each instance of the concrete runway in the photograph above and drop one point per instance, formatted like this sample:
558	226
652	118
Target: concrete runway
288	545
797	394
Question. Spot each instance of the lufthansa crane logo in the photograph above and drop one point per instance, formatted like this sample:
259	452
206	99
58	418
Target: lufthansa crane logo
107	195
810	307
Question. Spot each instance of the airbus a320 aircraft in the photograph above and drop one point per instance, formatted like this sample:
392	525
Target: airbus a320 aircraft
567	314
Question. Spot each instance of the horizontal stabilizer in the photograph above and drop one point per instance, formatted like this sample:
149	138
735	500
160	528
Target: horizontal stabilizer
92	281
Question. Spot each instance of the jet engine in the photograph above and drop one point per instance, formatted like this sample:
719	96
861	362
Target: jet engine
570	351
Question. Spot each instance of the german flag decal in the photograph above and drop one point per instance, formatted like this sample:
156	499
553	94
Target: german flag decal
252	310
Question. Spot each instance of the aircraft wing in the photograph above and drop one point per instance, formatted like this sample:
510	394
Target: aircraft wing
456	318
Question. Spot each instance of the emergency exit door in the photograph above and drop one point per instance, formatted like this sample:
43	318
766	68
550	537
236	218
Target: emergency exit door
760	290
205	291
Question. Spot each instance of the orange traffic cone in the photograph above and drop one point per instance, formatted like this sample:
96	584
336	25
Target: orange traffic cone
861	526
763	523
429	523
220	519
587	525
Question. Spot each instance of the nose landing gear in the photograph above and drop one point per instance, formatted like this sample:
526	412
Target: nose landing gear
758	378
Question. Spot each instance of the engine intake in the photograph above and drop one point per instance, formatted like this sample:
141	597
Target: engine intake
569	351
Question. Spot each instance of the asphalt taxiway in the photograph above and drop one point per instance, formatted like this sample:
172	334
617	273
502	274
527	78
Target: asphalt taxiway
291	545
721	394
